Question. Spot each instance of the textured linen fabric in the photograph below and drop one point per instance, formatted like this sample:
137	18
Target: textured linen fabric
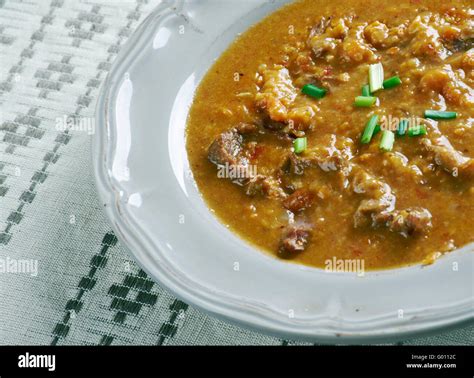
54	54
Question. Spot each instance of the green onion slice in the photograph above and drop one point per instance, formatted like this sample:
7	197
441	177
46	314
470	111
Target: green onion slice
375	77
369	129
388	138
417	131
392	82
377	130
300	144
314	91
436	114
366	90
365	101
402	127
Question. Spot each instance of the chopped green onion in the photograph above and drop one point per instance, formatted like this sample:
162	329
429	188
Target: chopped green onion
377	130
436	114
417	131
366	90
402	127
388	138
365	101
375	77
392	82
300	145
369	129
314	91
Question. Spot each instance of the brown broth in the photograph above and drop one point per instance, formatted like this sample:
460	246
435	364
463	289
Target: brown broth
260	220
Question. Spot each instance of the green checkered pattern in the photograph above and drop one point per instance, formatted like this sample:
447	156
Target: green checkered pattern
54	54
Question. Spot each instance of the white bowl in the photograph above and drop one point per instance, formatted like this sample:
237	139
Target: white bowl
144	181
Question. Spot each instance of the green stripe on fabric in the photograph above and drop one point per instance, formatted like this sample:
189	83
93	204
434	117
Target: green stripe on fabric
169	328
85	284
132	283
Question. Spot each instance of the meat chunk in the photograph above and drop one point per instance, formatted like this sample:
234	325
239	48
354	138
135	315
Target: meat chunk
226	148
265	185
410	221
330	153
356	49
426	38
440	35
379	208
281	100
277	94
333	153
348	41
447	157
460	45
448	83
380	199
326	37
299	200
244	128
228	151
376	33
295	239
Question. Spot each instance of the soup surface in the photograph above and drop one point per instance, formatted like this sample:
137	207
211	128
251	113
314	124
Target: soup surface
343	129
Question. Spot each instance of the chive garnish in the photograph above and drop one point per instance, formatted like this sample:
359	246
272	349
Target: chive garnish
369	129
392	82
387	140
366	90
377	130
402	127
375	77
417	131
365	101
437	114
314	91
300	144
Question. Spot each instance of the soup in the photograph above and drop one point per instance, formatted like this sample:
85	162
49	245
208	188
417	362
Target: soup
343	129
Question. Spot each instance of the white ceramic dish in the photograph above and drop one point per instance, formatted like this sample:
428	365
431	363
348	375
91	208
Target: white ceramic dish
154	206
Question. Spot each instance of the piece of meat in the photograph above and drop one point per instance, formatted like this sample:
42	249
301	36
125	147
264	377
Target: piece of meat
299	200
450	84
282	102
265	185
376	33
244	128
380	199
277	94
426	40
445	155
379	208
331	153
356	49
226	148
320	27
410	221
295	239
228	151
460	44
295	165
326	37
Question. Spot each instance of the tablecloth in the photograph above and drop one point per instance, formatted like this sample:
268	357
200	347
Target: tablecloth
64	277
